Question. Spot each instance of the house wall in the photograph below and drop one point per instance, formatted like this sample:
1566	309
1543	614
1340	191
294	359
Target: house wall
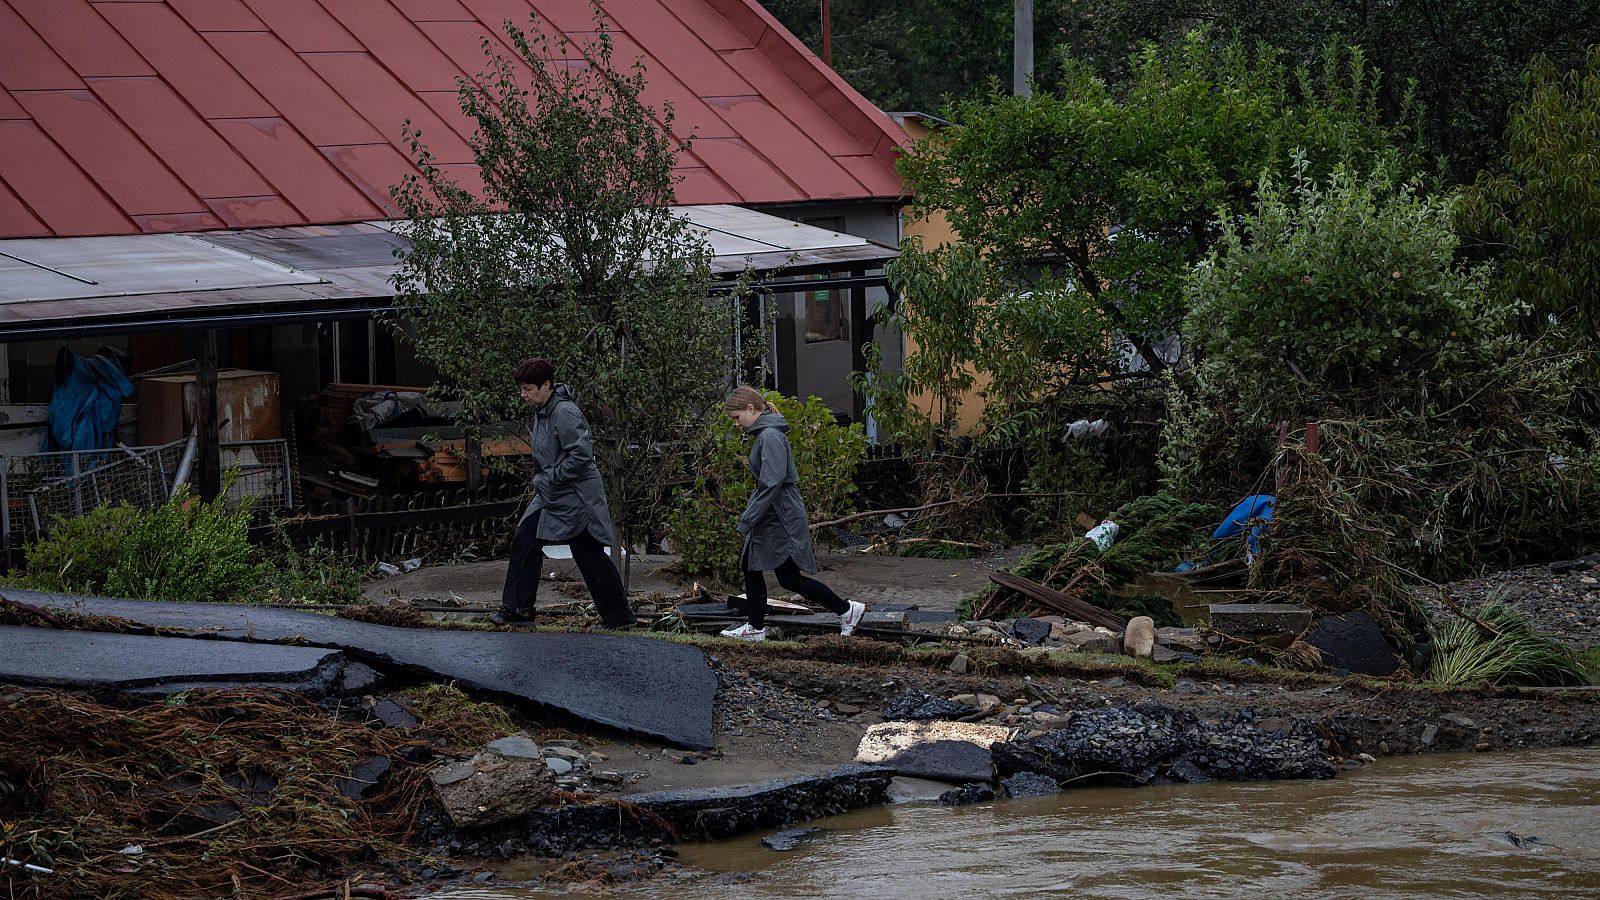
822	367
935	231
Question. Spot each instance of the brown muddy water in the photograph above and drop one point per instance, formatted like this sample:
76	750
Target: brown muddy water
1417	826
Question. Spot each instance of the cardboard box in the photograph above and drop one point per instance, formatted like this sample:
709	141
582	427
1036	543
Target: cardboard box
246	400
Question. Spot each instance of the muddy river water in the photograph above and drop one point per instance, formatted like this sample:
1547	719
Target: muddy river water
1481	825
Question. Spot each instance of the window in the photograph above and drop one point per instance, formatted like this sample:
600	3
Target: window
826	310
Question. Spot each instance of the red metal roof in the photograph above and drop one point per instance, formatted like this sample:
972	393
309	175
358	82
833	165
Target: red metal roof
130	116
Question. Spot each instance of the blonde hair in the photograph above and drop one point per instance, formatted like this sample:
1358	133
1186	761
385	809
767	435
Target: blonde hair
747	397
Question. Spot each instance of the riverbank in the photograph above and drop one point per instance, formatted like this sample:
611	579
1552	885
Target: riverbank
793	711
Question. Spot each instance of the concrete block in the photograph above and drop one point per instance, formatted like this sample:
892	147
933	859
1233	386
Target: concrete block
1253	621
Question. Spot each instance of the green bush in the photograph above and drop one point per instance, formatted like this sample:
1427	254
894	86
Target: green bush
186	550
314	575
183	549
704	523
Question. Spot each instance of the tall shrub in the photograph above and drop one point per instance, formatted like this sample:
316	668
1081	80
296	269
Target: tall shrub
705	519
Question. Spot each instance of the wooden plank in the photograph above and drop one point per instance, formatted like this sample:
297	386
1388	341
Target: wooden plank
1063	603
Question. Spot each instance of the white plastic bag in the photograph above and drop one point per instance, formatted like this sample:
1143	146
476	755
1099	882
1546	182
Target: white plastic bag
1103	535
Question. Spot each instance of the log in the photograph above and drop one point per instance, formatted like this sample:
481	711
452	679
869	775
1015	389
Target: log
1063	603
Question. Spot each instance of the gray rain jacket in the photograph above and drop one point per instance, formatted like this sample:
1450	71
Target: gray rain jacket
774	522
567	491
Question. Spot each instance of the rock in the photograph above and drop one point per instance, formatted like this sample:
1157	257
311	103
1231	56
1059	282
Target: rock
1180	638
1139	638
364	779
919	706
966	699
1063	630
1030	784
967	794
1429	735
393	715
987	701
357	679
1030	631
490	788
567	753
1354	643
846	709
1096	640
960	664
483	877
558	766
788	839
1275	624
450	773
517	746
1162	655
609	777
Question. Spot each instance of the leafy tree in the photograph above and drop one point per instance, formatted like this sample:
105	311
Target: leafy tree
1120	195
1447	438
1539	214
571	251
1464	57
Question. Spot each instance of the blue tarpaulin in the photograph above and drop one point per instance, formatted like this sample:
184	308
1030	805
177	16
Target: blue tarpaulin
86	403
1256	506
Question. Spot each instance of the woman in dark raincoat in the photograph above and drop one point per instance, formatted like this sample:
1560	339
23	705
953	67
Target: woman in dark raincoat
777	536
568	507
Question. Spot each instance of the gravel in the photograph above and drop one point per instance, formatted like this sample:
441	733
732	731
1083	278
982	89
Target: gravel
1562	598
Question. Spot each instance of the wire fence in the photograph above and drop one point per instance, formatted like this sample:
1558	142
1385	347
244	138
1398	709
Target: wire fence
37	489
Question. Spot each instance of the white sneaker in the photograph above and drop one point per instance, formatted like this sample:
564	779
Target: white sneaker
745	633
852	617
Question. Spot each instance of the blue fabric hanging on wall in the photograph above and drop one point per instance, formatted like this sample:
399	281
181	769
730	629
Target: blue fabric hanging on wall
87	402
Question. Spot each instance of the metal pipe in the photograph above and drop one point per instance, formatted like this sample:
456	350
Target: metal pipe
827	34
1022	48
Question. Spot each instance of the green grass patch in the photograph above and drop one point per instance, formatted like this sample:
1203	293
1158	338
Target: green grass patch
1502	648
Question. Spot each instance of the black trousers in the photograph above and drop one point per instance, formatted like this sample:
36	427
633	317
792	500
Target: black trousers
599	574
792	579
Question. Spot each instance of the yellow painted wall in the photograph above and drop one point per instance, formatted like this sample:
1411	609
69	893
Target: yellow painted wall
935	231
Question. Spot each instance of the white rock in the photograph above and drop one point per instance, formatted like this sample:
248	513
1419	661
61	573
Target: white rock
1139	639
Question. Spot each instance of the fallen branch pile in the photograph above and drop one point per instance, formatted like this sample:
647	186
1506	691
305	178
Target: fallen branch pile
225	791
1155	532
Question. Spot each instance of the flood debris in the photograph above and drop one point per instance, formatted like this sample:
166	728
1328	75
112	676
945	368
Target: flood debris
1152	744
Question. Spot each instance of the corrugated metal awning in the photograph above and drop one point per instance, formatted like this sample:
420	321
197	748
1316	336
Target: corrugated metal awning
145	279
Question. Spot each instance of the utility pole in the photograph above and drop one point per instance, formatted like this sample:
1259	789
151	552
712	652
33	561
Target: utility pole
827	34
1022	48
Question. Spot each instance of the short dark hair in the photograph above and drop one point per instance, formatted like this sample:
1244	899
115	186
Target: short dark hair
536	370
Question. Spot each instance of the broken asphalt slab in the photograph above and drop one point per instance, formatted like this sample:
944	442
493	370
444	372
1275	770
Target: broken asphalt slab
644	686
96	660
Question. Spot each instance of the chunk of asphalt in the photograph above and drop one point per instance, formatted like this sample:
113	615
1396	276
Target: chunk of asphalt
649	687
52	657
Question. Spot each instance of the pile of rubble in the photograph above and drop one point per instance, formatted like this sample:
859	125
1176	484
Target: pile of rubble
1029	747
1047	634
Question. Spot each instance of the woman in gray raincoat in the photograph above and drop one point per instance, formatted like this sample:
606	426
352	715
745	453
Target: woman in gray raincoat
568	507
777	536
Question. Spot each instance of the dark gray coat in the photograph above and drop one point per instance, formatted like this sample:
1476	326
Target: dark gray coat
568	493
774	522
